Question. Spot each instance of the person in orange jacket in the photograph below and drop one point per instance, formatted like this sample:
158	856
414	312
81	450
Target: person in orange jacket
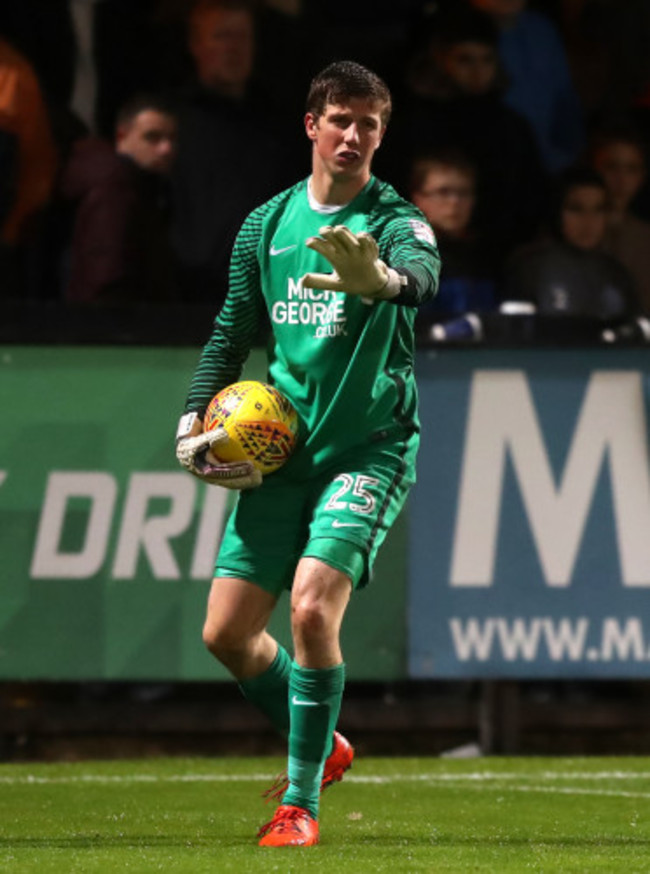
25	124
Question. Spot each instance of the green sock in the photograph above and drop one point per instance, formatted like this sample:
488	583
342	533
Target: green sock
314	704
269	691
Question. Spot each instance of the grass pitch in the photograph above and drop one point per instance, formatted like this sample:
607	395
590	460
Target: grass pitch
389	815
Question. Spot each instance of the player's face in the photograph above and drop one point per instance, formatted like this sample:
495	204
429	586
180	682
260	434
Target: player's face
150	140
584	216
623	168
346	136
222	45
446	197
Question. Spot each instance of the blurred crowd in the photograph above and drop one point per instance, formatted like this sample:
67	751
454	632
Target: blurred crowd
136	135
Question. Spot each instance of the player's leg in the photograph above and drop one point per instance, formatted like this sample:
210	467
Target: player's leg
355	509
319	599
259	550
235	626
235	633
320	595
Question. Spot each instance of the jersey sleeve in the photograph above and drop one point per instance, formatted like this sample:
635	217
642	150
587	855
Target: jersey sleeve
236	326
408	245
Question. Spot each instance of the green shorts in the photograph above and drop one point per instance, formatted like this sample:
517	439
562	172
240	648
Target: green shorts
340	516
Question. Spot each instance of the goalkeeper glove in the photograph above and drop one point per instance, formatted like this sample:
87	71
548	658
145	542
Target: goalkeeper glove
194	452
358	268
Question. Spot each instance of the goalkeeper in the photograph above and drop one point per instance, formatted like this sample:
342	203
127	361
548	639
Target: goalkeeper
339	264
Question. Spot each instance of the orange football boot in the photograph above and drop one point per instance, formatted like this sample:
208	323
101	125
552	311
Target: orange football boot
337	763
290	827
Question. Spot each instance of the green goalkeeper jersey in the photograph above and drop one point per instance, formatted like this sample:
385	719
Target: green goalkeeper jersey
345	364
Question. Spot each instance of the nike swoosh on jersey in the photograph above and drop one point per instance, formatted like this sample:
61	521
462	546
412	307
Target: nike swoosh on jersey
337	524
300	703
274	251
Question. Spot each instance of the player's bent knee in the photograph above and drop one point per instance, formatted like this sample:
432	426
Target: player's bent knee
222	641
310	618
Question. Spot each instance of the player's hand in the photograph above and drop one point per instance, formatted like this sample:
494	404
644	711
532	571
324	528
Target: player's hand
355	259
195	455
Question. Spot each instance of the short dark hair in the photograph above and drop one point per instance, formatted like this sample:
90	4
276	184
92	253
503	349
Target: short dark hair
343	80
575	176
143	102
465	24
615	134
200	7
448	158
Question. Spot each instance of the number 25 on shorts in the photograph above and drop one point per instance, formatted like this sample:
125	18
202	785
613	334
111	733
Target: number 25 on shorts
353	494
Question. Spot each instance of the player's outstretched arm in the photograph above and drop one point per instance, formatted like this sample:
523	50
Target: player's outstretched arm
358	269
194	451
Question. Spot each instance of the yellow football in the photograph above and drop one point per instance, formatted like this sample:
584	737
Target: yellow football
261	423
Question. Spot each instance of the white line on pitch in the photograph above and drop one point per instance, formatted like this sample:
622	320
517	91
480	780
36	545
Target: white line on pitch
573	790
477	777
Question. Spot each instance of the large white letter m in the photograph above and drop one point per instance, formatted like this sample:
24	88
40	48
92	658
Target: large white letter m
502	418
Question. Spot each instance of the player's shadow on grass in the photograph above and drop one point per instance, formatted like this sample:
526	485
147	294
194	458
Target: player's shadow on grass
100	842
143	842
501	840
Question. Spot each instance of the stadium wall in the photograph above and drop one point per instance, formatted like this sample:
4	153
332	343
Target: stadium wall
524	552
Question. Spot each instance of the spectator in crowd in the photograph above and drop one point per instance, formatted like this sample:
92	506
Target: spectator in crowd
455	102
619	157
29	164
119	250
540	86
607	45
229	157
443	186
569	275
